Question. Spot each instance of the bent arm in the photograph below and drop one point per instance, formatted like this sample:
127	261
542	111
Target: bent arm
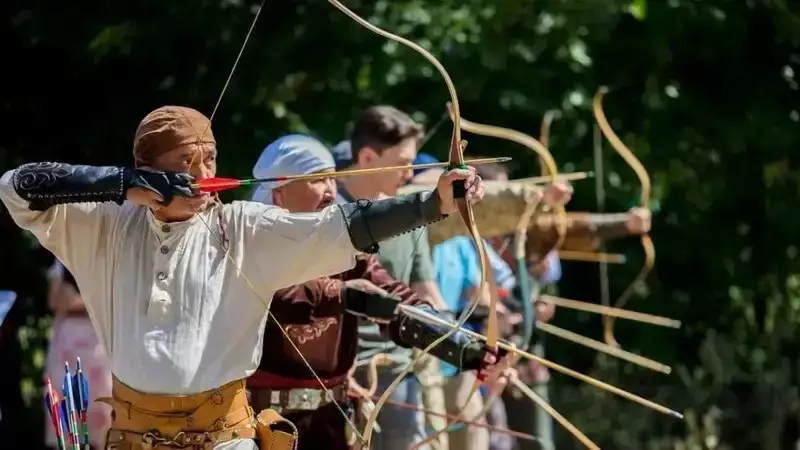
63	206
377	307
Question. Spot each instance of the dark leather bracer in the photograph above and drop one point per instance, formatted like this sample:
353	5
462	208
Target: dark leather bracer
370	222
369	305
458	349
46	184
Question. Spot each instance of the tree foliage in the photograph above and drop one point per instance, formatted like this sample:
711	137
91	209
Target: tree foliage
704	91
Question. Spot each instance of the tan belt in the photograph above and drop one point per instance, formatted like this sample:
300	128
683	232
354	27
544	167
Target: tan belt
142	421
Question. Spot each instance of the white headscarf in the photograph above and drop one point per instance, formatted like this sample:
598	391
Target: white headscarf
294	154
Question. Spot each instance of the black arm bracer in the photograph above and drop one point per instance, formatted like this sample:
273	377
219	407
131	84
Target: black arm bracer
365	304
46	184
459	350
370	222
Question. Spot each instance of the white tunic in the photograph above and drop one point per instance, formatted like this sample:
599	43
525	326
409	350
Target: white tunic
175	314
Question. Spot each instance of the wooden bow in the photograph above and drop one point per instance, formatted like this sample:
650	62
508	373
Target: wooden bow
644	179
456	160
530	143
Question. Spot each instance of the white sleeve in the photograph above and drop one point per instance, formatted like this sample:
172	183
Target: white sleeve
288	248
76	233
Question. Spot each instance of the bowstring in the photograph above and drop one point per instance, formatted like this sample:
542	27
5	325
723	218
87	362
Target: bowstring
220	241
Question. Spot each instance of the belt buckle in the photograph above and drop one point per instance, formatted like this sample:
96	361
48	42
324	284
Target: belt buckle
153	437
302	399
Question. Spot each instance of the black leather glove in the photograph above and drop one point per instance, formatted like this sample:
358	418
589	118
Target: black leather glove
165	184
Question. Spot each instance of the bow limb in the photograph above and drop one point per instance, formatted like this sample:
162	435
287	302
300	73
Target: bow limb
523	275
367	394
544	132
602	258
527	141
456	160
644	200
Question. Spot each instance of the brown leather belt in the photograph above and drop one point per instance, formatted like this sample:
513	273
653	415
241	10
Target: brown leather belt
302	399
142	421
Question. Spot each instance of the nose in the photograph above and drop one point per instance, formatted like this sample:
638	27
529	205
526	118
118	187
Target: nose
330	186
199	170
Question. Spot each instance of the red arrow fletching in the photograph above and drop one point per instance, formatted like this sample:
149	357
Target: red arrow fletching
217	184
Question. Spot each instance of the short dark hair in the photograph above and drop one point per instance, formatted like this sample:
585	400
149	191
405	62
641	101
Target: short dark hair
381	127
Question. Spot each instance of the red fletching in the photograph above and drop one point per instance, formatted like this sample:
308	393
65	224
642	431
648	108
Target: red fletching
217	184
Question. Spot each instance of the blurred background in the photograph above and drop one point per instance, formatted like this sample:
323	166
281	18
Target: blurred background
703	91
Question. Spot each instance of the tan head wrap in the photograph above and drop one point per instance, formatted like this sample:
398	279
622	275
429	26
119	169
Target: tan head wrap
167	128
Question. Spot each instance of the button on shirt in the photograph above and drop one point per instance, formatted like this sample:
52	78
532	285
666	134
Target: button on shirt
176	316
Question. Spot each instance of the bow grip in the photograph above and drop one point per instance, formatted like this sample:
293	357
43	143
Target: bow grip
459	186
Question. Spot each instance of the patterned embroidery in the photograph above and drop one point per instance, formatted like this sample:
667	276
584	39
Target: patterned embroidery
304	333
33	176
38	183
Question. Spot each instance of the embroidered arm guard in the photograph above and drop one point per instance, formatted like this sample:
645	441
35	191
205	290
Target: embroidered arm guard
47	184
370	222
372	306
459	350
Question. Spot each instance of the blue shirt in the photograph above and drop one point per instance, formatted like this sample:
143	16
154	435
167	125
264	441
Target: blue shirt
458	270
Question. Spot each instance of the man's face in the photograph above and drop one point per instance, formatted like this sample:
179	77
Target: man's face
199	160
402	154
306	196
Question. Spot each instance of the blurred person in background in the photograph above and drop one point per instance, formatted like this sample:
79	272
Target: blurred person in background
457	266
74	337
384	136
319	318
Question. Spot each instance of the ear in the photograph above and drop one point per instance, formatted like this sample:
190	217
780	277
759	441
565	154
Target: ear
366	155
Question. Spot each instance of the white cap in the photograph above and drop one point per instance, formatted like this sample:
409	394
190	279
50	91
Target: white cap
294	154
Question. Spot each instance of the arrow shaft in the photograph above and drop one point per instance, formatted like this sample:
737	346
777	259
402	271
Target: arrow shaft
424	316
345	173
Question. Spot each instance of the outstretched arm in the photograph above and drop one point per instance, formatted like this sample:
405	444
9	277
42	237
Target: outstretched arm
585	231
70	208
294	248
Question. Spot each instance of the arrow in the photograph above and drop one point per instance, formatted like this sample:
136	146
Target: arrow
218	184
426	317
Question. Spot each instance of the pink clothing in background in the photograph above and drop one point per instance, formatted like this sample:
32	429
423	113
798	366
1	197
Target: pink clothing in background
74	337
